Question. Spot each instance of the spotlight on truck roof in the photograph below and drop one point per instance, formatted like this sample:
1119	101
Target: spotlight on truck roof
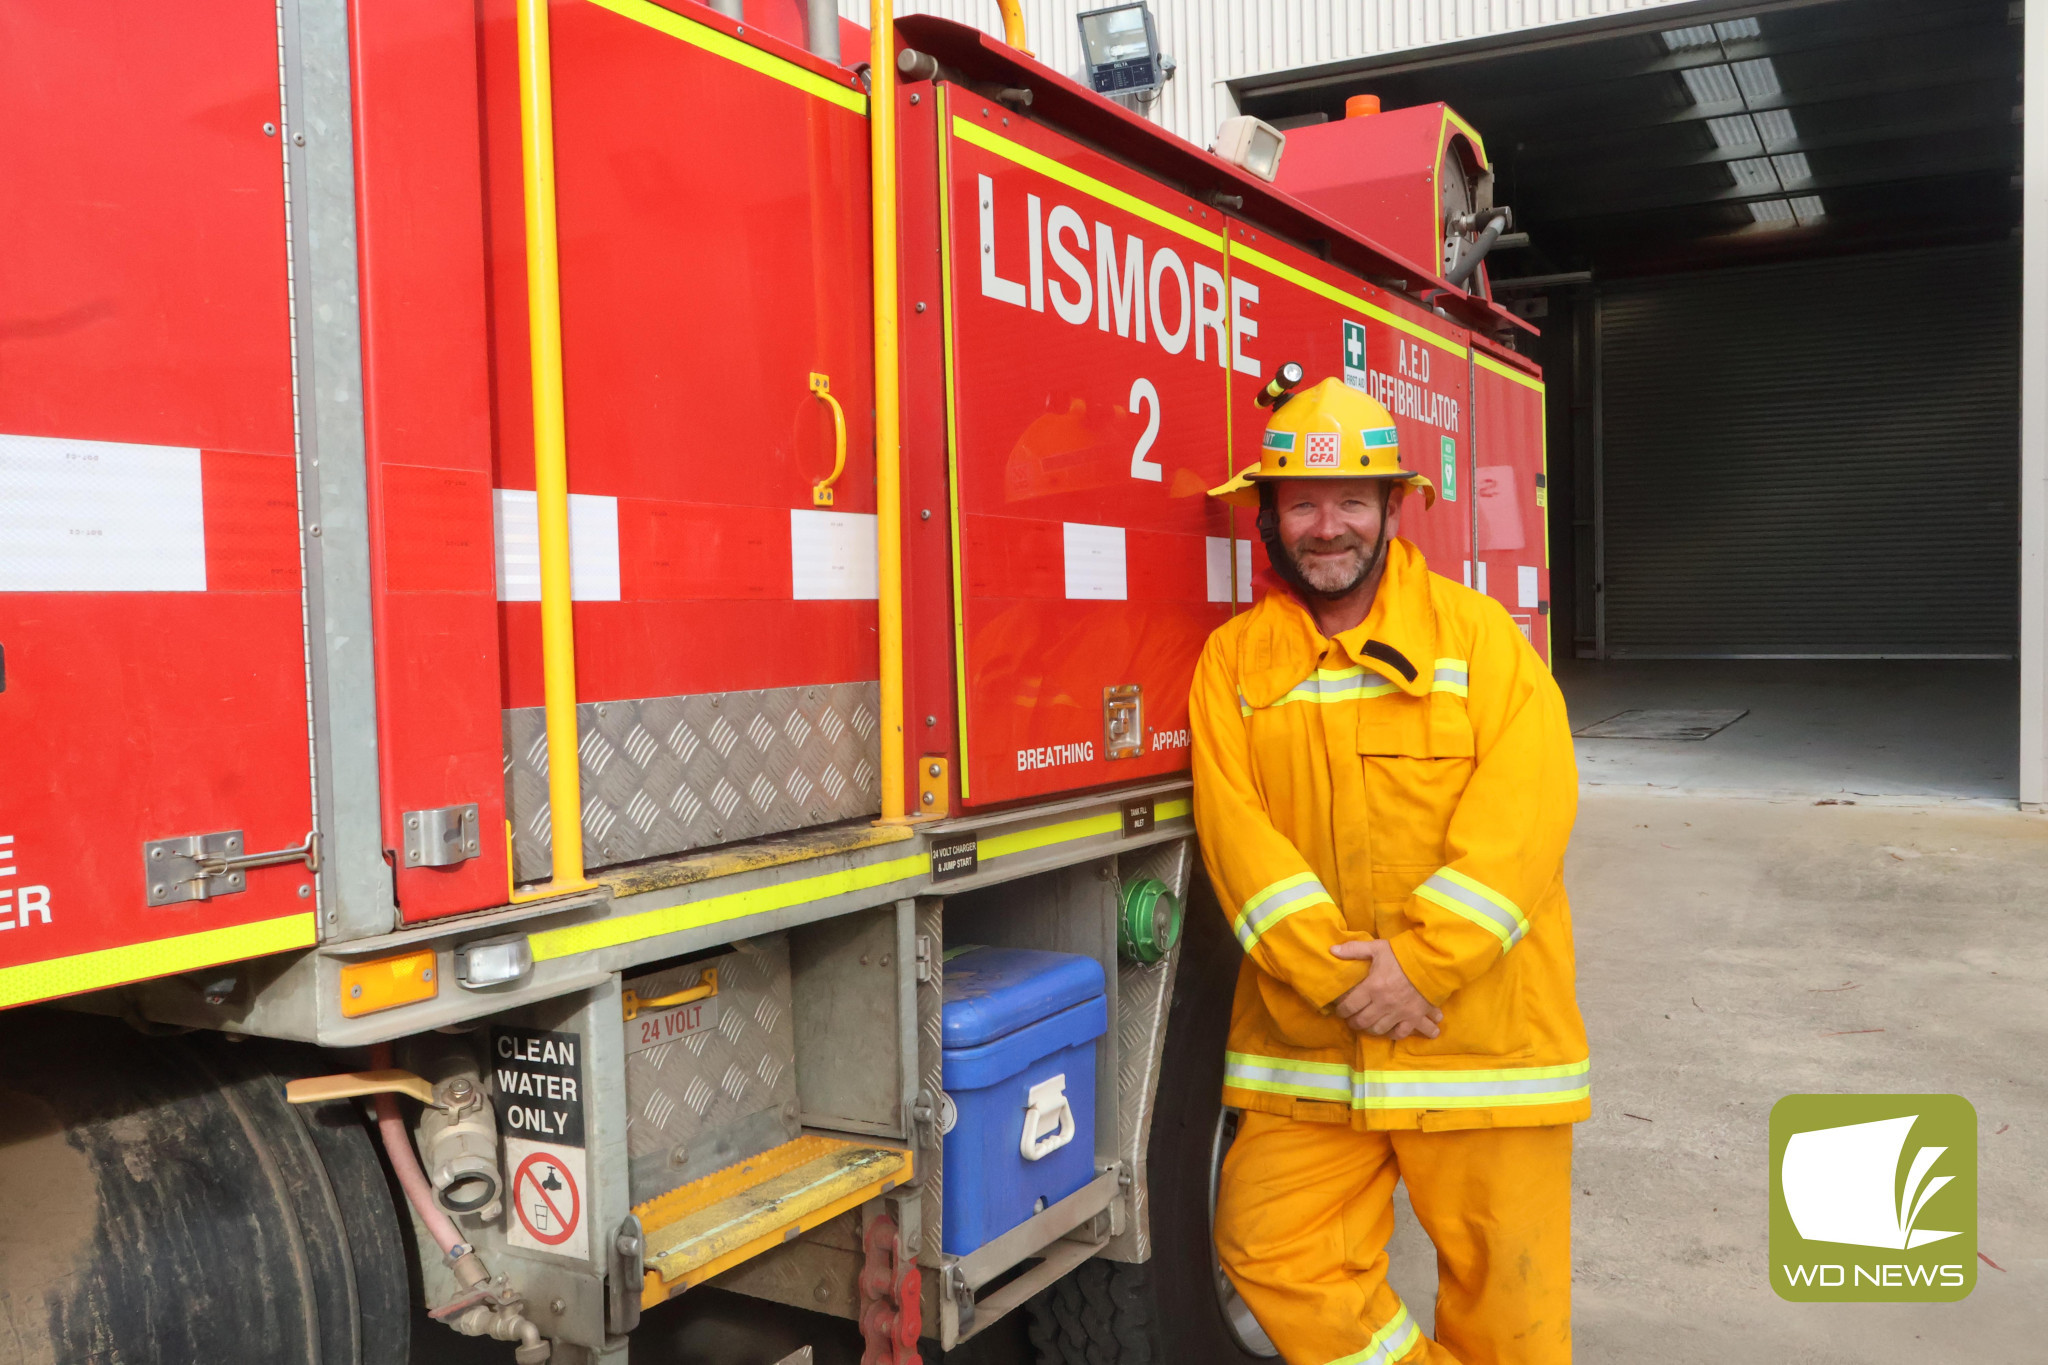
1250	145
1120	46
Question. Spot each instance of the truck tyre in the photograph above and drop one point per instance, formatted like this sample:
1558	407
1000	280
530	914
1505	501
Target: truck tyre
166	1204
1171	1310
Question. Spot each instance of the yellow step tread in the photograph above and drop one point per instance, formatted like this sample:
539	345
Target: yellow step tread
709	1219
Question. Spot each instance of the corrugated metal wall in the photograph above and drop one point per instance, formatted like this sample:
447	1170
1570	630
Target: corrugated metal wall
1814	459
1216	40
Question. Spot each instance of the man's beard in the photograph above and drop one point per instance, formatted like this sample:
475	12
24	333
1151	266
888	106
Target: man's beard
1332	577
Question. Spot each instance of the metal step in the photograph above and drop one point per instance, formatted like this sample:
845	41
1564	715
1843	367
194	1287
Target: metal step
713	1224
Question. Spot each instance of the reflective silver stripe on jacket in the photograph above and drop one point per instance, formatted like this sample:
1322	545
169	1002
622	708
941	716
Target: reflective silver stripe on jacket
1336	1083
1476	901
1268	906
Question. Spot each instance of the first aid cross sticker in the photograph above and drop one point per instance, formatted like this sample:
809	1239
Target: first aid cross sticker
1322	450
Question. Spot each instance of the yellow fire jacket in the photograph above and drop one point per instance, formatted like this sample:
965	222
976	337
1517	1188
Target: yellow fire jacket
1411	780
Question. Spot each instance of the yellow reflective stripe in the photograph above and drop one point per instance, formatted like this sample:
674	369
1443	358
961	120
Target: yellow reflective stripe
1487	362
1335	1083
960	671
1023	841
1451	675
159	957
733	50
1476	901
1268	906
1389	1343
1478	144
981	137
583	938
1349	300
1339	684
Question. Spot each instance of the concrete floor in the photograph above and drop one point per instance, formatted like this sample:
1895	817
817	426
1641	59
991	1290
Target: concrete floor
1877	728
1715	937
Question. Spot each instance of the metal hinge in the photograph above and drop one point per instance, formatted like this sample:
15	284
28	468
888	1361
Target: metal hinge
198	867
441	837
624	1269
924	957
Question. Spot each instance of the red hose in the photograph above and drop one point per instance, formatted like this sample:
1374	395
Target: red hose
406	1162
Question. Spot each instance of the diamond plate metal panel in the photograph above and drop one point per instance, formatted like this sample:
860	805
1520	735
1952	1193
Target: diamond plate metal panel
931	1059
818	1271
1144	994
721	1092
664	775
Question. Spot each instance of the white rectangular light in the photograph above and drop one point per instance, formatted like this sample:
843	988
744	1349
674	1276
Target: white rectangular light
1758	79
1734	133
1754	173
1777	128
1771	212
1793	167
1250	145
593	546
1807	208
1735	30
1526	588
100	516
1685	39
1094	562
1711	85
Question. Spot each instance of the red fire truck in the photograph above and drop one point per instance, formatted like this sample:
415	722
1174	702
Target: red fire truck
596	602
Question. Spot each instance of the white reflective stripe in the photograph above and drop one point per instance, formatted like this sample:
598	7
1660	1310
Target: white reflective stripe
1339	684
1281	1076
1389	1343
1267	907
1478	902
1339	1084
1451	675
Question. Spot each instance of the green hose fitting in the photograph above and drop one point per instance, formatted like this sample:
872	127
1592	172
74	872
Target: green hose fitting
1150	923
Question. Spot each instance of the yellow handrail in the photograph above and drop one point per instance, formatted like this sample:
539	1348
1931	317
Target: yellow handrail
888	414
550	450
706	987
1013	24
821	493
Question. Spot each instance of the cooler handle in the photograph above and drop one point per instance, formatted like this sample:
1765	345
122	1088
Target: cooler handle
1048	1119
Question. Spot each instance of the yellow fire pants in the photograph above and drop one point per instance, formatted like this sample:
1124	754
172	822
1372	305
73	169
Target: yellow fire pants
1304	1215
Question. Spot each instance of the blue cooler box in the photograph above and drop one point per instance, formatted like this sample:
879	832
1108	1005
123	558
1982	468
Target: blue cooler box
1019	1038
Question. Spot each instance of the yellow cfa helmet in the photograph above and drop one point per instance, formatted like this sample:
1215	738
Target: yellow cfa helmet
1331	431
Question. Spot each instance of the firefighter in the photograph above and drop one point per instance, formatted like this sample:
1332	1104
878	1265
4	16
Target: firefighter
1384	786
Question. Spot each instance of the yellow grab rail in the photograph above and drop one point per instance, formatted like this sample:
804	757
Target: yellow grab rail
821	493
1013	25
706	987
550	451
888	398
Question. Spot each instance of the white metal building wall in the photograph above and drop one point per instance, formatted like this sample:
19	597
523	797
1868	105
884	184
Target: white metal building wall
1217	40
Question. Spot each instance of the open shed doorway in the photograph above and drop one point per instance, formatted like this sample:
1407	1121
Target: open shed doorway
1774	250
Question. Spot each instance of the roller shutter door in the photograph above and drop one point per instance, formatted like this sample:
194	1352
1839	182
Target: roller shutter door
1814	459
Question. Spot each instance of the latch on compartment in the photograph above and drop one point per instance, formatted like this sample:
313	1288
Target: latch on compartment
1123	721
198	867
441	837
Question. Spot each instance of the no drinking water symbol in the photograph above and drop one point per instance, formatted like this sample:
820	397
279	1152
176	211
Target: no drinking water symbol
545	1197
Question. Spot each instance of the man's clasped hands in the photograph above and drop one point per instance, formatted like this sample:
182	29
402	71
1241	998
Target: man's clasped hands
1384	1003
